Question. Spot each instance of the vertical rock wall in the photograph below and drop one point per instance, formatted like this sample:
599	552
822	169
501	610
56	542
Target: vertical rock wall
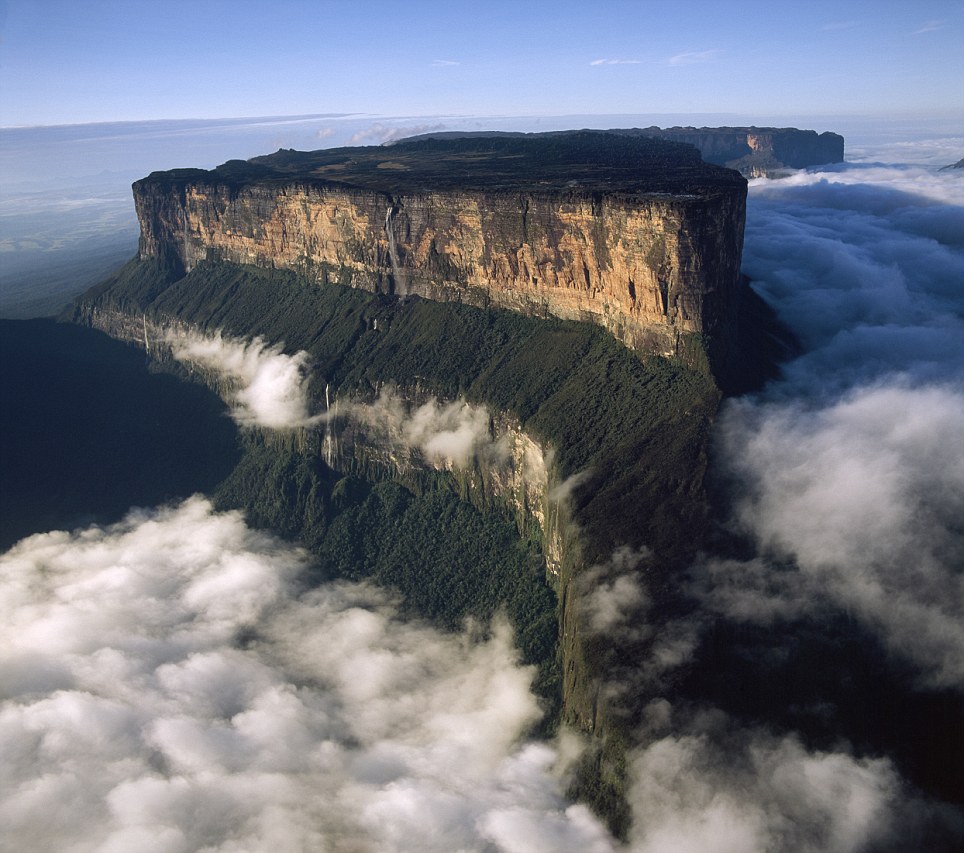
650	268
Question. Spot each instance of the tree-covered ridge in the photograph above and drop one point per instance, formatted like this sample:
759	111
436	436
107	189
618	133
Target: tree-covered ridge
450	562
636	429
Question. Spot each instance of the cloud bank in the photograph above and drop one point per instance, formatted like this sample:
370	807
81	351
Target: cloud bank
729	790
851	467
865	495
164	689
166	686
266	387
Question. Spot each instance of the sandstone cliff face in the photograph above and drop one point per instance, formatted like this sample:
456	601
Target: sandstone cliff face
651	267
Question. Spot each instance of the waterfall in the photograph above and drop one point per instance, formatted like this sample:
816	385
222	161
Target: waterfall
398	280
187	262
328	448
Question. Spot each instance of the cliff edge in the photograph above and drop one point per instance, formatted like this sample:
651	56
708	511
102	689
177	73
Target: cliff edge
755	152
637	235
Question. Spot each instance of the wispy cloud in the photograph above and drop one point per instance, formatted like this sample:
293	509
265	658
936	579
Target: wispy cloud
694	57
929	27
840	25
615	62
266	387
446	434
444	63
380	133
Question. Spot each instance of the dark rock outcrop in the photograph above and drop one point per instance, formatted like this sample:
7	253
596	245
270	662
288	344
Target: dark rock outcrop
755	152
758	151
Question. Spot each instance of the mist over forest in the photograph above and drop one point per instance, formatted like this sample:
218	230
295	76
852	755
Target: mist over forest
169	681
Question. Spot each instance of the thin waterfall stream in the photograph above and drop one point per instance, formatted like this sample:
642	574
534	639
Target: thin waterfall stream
398	280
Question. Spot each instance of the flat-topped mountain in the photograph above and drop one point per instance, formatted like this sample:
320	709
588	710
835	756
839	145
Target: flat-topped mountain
606	448
753	151
635	234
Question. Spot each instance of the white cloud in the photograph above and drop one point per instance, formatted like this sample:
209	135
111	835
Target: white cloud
615	62
865	496
721	788
380	133
266	387
614	597
444	63
929	27
846	472
694	57
164	689
564	490
446	434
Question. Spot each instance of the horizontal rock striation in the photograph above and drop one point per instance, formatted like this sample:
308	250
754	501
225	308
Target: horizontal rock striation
637	235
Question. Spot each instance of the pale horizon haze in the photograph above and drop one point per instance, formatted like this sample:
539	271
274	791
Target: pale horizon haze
107	61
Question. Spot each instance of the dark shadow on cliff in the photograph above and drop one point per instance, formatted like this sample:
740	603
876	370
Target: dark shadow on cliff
763	343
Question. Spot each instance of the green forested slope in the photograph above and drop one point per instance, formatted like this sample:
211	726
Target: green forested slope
635	429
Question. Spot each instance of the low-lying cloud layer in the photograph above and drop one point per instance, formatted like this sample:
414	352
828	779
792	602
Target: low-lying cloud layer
866	496
163	689
731	790
166	688
852	466
266	387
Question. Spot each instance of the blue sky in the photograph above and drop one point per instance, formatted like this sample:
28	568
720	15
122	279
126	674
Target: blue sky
106	60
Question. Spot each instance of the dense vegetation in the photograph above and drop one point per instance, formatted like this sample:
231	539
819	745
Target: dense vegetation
449	561
635	428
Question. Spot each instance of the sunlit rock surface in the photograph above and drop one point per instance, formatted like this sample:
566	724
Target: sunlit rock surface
637	235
